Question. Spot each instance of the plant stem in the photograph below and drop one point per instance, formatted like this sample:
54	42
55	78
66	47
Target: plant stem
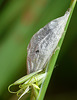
54	58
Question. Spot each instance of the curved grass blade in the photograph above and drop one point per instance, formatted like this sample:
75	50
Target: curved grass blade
54	58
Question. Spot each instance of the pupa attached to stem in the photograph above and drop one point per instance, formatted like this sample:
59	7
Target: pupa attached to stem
40	49
44	43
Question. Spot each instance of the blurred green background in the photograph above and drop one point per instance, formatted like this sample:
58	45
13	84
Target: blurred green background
19	20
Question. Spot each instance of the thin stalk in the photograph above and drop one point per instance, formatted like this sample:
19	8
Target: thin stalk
54	58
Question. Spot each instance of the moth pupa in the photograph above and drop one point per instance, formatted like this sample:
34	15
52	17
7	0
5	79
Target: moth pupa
44	42
41	47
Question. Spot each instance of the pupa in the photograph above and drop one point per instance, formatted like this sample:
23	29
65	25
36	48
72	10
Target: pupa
44	42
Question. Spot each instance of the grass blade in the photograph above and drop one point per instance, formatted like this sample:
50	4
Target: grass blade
54	58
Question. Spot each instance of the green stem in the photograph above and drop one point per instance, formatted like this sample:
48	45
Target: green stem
54	58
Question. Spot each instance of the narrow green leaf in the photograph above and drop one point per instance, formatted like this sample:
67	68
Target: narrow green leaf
54	58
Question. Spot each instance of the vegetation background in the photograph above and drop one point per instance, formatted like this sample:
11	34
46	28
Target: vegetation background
19	20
